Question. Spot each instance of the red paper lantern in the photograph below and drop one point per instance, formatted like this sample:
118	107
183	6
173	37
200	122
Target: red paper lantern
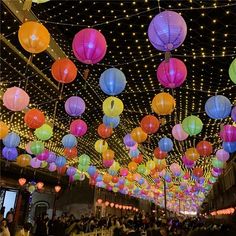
34	118
104	132
71	152
159	154
115	179
150	124
21	181
204	148
138	159
198	172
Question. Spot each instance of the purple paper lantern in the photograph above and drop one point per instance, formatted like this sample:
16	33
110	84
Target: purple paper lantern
228	133
222	155
78	128
167	31
43	156
89	46
52	167
233	113
71	171
171	73
128	141
35	163
188	163
51	157
10	153
75	106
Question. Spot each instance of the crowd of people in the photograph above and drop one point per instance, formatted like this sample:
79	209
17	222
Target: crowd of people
139	224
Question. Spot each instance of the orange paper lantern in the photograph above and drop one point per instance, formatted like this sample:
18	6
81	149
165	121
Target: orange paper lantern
192	154
107	178
34	118
3	130
104	132
138	135
150	124
108	155
130	177
132	166
23	160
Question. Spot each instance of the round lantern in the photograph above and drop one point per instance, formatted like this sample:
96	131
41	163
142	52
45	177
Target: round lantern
187	162
138	159
132	166
222	155
75	106
10	153
107	178
112	81
175	169
51	157
104	131
89	46
217	163
78	128
167	31
228	133
229	147
111	122
171	73
128	141
124	171
11	140
141	169
35	163
64	70
44	132
108	154
27	148
138	135
36	147
84	160
69	141
218	107
107	163
165	144
198	172
43	156
33	37
163	104
192	154
92	170
192	125
3	130
233	114
204	148
232	71
23	160
71	171
60	161
112	106
134	152
52	167
159	154
151	165
178	133
34	118
101	146
15	99
150	124
71	152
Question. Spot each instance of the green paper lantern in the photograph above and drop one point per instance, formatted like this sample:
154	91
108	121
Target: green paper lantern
37	147
212	179
44	132
217	164
192	125
141	169
44	164
232	71
84	160
83	168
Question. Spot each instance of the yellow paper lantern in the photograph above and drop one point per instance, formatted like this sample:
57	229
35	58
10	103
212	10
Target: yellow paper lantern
23	160
151	164
101	146
113	106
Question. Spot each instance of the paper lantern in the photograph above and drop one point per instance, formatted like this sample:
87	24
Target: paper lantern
228	133
112	106
69	141
167	31
198	172
112	81
222	155
57	188
138	159
78	128
101	146
27	148
232	71
204	148
36	147
163	104
21	181
92	170
89	46
44	132
74	106
175	169
11	140
23	160
192	125
64	70
150	165
192	154
3	130
34	118
10	153
178	133
71	152
107	178
128	141
84	159
233	114
159	154
115	179
124	171
187	162
43	156
60	161
141	169
33	37
229	147
171	73
71	171
15	99
104	131
51	157
218	107
150	124
61	170
217	163
107	163
130	177
52	167
111	122
132	166
134	152
165	144
138	135
108	154
35	163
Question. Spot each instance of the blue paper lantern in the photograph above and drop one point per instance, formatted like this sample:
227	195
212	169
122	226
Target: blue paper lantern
229	147
60	161
165	144
91	170
69	141
141	181
111	122
99	178
134	153
218	107
11	140
112	81
10	153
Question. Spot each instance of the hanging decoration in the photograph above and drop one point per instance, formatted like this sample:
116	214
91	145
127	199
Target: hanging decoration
78	128
44	132
34	118
150	124
74	106
178	132
112	106
232	71
192	125
138	135
3	130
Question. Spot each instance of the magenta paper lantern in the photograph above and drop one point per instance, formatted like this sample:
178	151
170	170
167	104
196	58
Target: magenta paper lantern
124	171
228	133
43	156
178	133
27	147
233	114
35	163
171	73
167	31
107	163
78	128
222	155
75	106
15	99
188	163
52	167
89	46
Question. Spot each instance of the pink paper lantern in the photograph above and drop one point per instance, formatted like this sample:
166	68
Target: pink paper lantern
178	133
124	171
15	99
228	133
35	163
52	167
27	147
107	163
171	73
78	128
222	155
89	46
43	156
175	169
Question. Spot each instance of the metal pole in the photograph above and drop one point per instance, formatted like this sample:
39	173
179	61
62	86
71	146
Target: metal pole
165	197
